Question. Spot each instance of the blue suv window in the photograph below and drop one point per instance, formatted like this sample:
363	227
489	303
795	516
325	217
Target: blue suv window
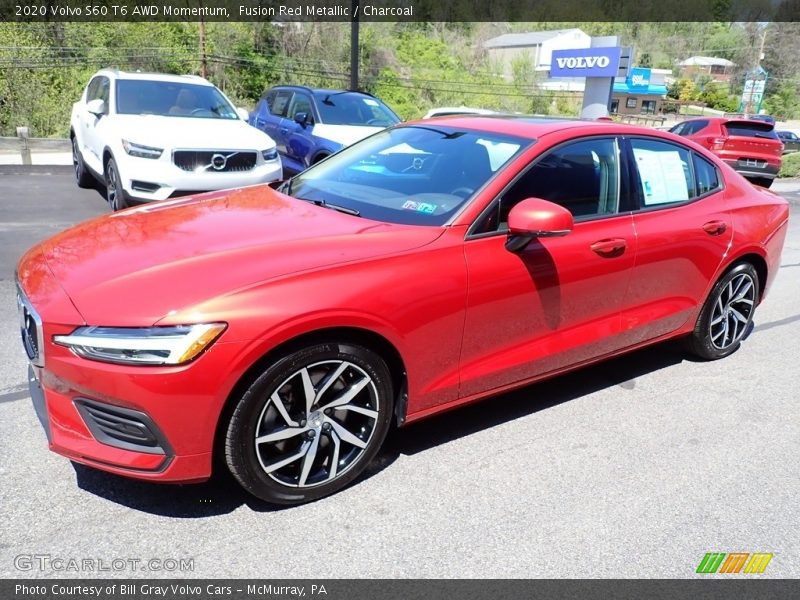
281	102
350	108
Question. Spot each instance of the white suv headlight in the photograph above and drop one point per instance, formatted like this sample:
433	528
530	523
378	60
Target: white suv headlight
140	150
142	345
270	154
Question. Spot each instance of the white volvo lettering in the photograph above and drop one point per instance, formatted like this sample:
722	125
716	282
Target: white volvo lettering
583	62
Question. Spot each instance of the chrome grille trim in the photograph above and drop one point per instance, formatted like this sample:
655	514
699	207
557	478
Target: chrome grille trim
207	160
30	325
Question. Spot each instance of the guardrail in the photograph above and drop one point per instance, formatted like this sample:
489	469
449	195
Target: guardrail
648	120
24	145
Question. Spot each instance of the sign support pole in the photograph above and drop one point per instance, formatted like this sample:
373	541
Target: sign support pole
598	90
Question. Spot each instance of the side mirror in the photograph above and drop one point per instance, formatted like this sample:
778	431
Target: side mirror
97	107
535	218
243	114
301	118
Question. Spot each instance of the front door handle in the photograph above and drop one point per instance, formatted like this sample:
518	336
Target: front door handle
715	227
609	248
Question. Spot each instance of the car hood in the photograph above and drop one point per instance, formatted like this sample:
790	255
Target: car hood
344	134
188	132
134	267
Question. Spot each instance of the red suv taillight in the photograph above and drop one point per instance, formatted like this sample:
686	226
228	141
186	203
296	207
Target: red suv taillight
716	143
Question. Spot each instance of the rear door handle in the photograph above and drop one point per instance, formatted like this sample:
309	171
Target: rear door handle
609	248
284	129
715	227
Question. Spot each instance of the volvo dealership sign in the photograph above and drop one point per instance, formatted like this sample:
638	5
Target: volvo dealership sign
585	62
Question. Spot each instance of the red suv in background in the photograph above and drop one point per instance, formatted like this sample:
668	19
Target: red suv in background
749	146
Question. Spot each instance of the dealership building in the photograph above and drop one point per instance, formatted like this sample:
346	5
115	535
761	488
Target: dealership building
633	91
642	92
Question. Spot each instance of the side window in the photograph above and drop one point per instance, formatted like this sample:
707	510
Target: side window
695	126
300	104
269	99
679	129
92	89
104	91
281	103
706	176
582	176
665	172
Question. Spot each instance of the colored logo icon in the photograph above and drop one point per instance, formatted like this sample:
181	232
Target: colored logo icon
734	562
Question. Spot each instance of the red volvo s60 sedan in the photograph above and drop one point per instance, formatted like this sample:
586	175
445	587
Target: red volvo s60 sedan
430	265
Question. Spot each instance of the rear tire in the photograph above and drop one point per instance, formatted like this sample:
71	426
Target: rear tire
727	314
83	178
310	424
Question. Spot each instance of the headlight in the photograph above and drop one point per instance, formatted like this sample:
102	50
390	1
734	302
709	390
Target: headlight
142	346
270	154
140	150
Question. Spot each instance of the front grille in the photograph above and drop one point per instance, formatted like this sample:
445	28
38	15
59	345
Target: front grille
215	161
30	326
122	427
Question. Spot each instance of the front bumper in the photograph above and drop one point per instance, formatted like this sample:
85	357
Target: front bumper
178	407
147	180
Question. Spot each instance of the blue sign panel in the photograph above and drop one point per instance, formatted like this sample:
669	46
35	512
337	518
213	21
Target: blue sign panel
586	62
639	78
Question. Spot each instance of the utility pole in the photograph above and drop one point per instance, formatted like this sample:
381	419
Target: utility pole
354	45
203	56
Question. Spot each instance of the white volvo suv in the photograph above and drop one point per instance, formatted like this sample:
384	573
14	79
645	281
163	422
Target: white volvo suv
151	137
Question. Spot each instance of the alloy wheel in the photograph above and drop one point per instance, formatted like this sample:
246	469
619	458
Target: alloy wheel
76	165
112	192
732	312
317	424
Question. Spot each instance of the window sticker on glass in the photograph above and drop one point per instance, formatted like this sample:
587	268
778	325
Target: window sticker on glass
421	207
370	102
662	175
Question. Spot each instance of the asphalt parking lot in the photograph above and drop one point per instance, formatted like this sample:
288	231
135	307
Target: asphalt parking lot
633	468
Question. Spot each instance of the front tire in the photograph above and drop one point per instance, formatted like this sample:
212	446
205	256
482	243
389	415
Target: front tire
115	194
310	423
83	178
727	314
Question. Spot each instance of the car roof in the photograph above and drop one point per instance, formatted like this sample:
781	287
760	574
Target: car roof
534	127
318	90
167	77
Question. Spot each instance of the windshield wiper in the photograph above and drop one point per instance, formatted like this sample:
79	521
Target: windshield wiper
341	209
447	136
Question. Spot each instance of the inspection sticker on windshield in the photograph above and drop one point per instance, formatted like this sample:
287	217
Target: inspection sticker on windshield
422	207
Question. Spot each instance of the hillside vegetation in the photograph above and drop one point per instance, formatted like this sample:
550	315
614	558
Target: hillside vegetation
413	67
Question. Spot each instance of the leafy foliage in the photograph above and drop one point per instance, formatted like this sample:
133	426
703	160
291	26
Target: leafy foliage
412	66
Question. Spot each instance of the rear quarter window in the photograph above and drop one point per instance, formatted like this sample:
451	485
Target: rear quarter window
706	176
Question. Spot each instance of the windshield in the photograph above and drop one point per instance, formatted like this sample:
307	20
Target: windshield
348	108
172	99
413	175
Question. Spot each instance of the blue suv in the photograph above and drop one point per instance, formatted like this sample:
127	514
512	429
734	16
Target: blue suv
309	124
